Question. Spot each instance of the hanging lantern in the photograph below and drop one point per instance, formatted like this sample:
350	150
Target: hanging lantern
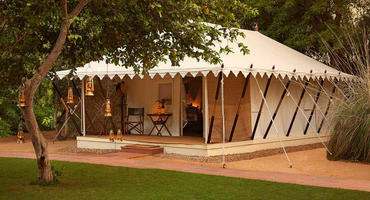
119	135
89	86
108	109
111	135
21	99
20	135
70	96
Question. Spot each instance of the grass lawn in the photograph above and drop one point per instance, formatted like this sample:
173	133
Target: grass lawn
87	181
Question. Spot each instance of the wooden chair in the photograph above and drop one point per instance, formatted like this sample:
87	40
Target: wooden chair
135	120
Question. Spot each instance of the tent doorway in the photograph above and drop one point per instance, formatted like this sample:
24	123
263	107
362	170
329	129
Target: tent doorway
192	106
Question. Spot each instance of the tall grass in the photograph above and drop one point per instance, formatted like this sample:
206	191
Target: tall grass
350	124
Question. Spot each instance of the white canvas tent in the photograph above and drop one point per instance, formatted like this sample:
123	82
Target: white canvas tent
264	54
264	114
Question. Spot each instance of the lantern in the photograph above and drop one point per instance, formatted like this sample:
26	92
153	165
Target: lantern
89	86
108	109
21	99
111	135
119	135
20	135
70	96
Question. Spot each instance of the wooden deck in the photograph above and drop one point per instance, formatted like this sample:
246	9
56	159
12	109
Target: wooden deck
159	139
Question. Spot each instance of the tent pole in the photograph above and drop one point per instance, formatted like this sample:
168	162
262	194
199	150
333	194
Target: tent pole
206	117
83	130
261	106
79	96
223	117
214	107
296	110
277	109
327	108
238	109
314	106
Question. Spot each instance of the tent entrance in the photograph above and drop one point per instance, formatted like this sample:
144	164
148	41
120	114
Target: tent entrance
192	107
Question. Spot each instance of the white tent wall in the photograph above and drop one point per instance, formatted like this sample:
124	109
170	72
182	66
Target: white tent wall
288	106
233	87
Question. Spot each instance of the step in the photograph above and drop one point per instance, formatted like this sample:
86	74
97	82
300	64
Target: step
143	149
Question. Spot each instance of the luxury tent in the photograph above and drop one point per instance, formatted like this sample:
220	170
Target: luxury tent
270	98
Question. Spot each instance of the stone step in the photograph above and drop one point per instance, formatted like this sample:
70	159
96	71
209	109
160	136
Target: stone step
143	149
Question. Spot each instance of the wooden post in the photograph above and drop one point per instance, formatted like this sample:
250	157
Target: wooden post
314	106
261	106
327	108
238	109
206	110
277	109
83	126
296	110
214	108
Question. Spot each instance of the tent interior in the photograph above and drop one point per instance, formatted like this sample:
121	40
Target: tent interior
192	109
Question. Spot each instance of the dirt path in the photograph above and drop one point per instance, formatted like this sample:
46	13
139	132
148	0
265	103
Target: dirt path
309	162
309	167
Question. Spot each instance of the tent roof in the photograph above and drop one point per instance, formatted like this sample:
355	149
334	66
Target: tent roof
264	54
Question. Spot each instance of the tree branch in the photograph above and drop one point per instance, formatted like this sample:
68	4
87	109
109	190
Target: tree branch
45	67
78	8
63	7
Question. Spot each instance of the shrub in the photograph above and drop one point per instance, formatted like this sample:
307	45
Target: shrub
350	131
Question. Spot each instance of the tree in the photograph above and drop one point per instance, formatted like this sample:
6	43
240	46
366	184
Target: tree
303	25
42	36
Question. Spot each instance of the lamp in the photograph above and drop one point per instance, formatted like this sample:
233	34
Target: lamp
119	135
108	109
111	135
70	96
20	135
89	86
21	99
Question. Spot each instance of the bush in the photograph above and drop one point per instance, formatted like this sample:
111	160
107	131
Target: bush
350	131
350	137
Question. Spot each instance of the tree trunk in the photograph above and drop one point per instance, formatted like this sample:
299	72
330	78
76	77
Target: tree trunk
31	85
39	144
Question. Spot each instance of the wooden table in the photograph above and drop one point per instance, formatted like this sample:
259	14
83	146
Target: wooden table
160	122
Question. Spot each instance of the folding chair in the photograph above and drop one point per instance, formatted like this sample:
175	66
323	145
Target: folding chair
135	120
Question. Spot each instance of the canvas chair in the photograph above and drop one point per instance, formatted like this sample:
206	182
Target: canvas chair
135	120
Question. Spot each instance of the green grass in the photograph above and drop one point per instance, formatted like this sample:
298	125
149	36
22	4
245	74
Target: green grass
87	181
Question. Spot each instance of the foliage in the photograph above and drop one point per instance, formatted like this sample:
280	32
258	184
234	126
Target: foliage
44	106
301	24
9	112
87	181
10	115
350	135
135	34
131	33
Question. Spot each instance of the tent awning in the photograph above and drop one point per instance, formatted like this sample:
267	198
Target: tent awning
264	54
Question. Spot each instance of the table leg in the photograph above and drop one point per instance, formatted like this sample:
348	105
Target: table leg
153	125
